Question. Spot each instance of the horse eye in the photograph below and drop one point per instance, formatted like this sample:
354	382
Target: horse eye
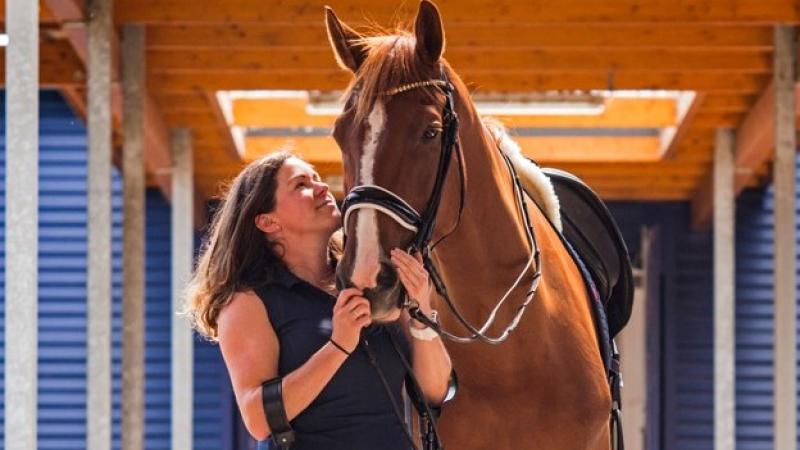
431	133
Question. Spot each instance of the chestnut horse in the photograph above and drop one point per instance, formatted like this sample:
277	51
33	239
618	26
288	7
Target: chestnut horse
545	387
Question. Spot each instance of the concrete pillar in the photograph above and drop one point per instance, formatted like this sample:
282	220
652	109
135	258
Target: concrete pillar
98	373
785	356
22	204
182	258
724	292
133	254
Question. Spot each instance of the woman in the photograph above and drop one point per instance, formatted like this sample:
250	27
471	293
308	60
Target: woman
264	289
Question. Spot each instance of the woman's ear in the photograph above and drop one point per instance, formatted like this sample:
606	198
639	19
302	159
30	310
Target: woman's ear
267	224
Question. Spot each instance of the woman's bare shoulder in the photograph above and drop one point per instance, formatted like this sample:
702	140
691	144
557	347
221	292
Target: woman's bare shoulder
243	310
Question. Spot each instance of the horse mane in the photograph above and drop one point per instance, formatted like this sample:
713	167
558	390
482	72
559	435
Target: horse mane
391	61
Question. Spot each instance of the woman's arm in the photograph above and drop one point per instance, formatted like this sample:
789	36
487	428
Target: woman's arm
430	361
250	349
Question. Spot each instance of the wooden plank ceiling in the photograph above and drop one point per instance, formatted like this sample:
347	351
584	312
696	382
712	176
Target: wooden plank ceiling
722	49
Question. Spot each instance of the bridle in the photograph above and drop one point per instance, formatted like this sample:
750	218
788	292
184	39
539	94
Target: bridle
387	202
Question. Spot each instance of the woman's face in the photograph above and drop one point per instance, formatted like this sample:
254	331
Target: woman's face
303	203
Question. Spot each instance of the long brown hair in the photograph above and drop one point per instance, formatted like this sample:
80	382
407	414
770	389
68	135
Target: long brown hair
236	255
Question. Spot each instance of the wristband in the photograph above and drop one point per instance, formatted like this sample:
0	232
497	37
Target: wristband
427	333
339	347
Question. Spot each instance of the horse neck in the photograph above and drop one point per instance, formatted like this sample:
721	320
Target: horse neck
491	211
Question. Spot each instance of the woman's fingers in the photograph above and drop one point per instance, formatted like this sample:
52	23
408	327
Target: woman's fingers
345	296
357	302
418	257
414	262
412	266
407	283
362	310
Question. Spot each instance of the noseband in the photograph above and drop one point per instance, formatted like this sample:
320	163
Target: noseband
381	199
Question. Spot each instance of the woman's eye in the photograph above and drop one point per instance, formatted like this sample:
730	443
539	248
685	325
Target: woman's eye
431	133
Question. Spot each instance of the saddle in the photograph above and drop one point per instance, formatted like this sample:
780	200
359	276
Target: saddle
593	234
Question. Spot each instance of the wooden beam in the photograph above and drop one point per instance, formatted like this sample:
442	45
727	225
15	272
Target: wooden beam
156	150
485	80
468	11
44	15
702	204
222	125
182	101
586	169
499	59
618	112
755	138
724	292
65	10
727	103
676	134
712	121
543	149
785	231
58	65
518	35
755	146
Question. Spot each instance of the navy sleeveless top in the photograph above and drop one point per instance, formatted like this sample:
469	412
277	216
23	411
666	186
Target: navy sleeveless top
353	411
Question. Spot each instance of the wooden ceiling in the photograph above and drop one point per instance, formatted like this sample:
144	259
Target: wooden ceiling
722	49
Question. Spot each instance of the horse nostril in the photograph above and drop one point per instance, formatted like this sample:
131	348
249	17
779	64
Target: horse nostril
387	276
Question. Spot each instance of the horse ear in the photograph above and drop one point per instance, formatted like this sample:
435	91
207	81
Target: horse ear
430	32
344	41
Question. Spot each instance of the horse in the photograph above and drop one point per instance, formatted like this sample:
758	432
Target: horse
545	385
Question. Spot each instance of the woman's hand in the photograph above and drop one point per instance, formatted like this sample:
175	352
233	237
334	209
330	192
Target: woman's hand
414	278
351	313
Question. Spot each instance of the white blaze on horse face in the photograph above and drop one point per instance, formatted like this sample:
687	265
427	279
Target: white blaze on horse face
367	263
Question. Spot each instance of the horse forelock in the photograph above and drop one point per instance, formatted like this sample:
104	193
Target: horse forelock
391	61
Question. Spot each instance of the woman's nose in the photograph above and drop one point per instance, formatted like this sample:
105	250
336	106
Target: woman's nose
321	188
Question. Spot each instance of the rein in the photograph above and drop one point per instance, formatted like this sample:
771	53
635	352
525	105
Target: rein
381	199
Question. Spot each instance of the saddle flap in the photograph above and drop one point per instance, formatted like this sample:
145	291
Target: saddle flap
589	227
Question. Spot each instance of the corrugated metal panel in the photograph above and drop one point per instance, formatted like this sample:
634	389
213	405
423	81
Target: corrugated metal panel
754	247
62	289
685	412
62	277
212	399
689	344
754	315
687	419
214	402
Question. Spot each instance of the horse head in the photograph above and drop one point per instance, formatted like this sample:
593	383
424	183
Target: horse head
390	134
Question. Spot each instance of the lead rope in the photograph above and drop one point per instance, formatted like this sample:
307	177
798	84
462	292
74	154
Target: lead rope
429	432
373	360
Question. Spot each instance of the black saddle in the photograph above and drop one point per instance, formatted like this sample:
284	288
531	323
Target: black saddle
591	230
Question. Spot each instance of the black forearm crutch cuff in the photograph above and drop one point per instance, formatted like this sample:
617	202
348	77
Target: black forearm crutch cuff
272	399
